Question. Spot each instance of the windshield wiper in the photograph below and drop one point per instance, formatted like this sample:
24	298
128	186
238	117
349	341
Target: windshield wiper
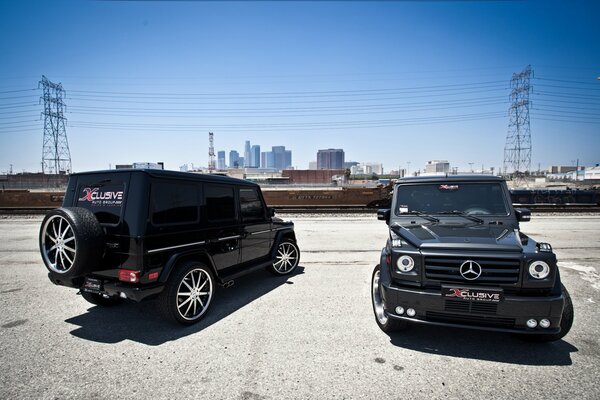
422	215
463	214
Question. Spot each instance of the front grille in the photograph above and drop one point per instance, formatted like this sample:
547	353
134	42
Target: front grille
466	319
471	307
496	271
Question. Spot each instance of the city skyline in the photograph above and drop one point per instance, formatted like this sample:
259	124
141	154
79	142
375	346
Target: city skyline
399	83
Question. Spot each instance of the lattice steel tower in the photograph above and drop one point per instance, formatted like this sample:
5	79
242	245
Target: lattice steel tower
517	150
211	152
56	157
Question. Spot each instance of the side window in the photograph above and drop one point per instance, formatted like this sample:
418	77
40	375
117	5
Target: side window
174	203
251	205
220	203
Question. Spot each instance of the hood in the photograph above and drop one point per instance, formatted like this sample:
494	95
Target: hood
471	237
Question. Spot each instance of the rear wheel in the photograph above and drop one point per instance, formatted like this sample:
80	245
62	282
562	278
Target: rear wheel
188	294
566	322
384	322
101	299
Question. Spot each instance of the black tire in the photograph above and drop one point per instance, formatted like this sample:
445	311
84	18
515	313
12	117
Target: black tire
195	280
71	242
385	323
566	322
287	258
101	300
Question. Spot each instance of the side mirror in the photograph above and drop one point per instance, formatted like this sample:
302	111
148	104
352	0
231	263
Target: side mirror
523	214
271	212
383	214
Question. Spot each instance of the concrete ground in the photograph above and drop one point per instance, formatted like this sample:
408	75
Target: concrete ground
311	336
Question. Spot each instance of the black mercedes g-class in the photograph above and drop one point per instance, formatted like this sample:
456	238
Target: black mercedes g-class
456	257
135	234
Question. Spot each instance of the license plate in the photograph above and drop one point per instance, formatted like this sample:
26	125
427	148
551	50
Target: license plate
491	295
92	285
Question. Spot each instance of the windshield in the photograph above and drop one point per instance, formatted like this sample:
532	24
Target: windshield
436	198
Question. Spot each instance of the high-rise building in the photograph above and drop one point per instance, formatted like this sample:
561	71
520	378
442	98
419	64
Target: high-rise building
267	160
330	159
255	156
282	158
247	154
437	167
221	160
234	159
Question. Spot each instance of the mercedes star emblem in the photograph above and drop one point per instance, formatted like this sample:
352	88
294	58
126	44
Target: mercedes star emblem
470	270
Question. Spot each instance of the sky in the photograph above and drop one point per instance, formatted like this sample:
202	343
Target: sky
395	82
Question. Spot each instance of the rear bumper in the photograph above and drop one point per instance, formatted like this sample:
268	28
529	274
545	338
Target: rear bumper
507	315
114	288
131	292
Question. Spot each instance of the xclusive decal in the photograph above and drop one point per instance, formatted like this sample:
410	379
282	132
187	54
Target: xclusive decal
105	197
469	294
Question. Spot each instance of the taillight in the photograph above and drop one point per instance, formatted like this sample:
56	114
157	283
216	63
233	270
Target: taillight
128	275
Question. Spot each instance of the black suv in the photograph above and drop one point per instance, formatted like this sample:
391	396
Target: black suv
133	234
456	257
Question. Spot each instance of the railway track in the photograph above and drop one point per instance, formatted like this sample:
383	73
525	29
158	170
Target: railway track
350	209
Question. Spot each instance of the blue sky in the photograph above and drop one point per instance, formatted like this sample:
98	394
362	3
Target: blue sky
394	82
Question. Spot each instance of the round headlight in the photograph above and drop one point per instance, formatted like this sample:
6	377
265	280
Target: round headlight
539	269
405	263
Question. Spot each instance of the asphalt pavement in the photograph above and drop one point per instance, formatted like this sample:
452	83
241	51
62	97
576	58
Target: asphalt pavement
308	336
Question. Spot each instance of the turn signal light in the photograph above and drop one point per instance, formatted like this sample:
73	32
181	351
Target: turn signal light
128	275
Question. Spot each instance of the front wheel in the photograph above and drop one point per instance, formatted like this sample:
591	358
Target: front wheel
384	322
566	322
188	294
287	258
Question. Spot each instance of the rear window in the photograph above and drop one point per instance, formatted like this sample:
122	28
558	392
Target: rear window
105	201
174	203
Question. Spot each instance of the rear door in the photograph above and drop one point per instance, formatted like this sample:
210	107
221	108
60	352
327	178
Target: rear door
256	234
223	224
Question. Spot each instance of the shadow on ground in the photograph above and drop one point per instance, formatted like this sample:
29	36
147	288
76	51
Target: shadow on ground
482	345
140	322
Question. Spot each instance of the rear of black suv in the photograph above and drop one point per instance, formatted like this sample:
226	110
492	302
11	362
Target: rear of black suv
456	257
134	234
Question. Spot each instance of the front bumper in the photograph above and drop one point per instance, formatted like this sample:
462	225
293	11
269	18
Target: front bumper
507	315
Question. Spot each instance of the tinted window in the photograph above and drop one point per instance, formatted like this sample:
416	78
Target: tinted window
251	205
174	203
472	198
105	201
220	204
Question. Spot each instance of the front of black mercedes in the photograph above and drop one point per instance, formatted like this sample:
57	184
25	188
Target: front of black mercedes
455	256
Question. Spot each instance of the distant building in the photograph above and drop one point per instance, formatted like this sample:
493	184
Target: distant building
145	165
312	165
314	176
255	156
242	162
234	159
267	160
247	154
330	159
221	160
437	167
370	168
350	164
282	158
562	169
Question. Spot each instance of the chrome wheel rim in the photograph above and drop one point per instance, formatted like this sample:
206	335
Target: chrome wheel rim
59	246
286	258
194	294
378	301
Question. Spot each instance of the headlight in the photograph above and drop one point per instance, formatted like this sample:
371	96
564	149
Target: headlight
539	269
405	263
